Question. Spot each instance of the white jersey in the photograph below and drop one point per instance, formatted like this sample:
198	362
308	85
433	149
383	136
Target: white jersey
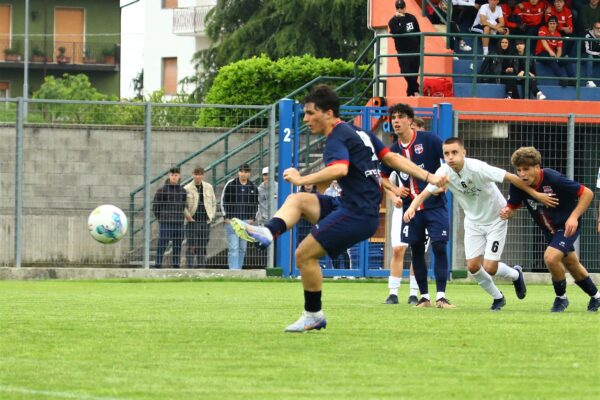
475	189
493	17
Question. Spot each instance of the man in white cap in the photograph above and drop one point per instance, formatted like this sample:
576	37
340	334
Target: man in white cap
263	214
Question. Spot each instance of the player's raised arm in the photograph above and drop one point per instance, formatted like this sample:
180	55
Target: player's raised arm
327	174
549	200
399	163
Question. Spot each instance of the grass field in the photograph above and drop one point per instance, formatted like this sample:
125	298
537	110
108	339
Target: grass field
224	340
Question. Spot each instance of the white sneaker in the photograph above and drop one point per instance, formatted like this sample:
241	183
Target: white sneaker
252	233
308	321
464	47
590	84
540	95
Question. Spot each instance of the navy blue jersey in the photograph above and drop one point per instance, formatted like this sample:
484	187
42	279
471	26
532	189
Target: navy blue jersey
361	151
425	150
551	182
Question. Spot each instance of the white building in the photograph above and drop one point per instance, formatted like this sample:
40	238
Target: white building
160	37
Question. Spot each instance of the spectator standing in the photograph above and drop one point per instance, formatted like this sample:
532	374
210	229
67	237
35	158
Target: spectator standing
168	207
521	64
264	199
551	46
402	23
200	210
238	200
592	52
489	21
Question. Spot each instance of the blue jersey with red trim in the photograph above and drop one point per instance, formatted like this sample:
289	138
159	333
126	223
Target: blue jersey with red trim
425	150
361	151
567	192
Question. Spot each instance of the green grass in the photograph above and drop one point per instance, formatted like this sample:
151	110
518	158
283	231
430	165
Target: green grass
224	340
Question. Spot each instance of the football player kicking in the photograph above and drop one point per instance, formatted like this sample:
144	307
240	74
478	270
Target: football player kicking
350	156
473	184
561	225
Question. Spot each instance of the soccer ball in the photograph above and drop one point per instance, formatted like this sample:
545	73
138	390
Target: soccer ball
107	224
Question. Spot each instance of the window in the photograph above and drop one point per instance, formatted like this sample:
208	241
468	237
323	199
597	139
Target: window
69	25
169	75
169	3
4	90
4	29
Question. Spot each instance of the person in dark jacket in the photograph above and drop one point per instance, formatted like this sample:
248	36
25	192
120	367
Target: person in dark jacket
168	207
521	63
238	200
402	23
503	65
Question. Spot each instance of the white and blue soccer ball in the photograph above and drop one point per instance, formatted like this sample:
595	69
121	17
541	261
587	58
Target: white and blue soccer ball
107	224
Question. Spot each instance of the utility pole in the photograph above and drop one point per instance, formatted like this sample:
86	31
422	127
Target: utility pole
26	61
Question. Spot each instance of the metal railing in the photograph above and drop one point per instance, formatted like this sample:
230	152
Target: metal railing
50	51
190	20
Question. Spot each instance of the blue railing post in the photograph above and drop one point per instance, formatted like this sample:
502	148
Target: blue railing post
286	136
445	131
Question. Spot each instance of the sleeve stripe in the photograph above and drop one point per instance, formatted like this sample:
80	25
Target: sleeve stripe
514	206
344	162
383	152
581	189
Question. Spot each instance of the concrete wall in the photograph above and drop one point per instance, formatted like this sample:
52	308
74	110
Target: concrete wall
70	171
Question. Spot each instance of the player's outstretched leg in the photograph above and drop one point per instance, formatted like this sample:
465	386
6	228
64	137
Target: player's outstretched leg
252	233
308	321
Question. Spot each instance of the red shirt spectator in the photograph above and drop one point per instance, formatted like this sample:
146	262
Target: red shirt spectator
532	12
554	44
564	16
509	10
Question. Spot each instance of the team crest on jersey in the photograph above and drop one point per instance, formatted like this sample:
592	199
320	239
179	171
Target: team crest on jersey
532	204
418	148
404	176
547	189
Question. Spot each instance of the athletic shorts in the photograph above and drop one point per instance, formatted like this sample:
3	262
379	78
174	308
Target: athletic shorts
432	221
479	29
396	230
339	228
485	240
560	242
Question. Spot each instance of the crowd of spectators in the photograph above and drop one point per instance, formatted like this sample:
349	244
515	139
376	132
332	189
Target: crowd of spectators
550	19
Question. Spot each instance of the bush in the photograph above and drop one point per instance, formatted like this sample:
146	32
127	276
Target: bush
261	81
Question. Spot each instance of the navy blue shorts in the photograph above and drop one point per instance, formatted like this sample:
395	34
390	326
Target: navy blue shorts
560	242
433	220
339	229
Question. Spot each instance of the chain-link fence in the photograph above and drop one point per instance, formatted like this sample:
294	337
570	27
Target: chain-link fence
70	157
569	144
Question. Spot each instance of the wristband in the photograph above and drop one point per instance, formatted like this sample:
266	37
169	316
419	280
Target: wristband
427	178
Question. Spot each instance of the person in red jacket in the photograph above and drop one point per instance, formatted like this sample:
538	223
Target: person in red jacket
553	47
512	19
565	22
532	14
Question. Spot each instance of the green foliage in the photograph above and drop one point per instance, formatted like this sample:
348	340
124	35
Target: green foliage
262	81
241	29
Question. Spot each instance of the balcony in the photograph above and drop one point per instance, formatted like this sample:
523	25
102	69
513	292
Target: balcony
189	21
68	56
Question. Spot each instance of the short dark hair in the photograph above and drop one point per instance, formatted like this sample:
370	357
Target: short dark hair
174	170
324	98
245	167
198	170
401	108
454	139
552	18
400	4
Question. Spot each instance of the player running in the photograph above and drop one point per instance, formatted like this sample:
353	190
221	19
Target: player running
561	225
473	184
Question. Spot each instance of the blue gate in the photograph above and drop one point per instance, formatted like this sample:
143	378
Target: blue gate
365	259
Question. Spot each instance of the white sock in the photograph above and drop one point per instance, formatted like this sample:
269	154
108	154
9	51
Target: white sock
425	296
440	295
414	287
485	50
485	281
597	295
394	284
507	272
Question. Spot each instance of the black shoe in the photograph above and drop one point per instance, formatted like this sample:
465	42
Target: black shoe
519	284
593	305
498	304
413	300
392	299
559	305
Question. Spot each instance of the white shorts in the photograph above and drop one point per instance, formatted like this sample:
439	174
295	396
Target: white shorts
486	240
396	231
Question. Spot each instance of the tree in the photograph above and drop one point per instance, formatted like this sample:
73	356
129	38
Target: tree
241	29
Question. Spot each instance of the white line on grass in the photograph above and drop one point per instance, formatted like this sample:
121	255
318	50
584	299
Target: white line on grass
50	393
